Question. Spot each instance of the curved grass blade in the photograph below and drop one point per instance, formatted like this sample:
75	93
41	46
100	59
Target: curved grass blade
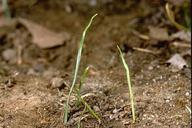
171	17
77	67
129	84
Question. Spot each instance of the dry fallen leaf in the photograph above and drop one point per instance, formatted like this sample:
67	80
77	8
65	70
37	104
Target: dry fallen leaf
158	33
177	2
182	35
6	26
5	22
187	53
42	36
177	61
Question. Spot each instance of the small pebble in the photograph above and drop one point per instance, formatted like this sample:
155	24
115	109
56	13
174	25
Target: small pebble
122	100
187	72
31	72
187	94
68	9
38	67
111	117
50	73
9	55
96	108
1	119
9	83
92	2
168	99
57	82
116	111
1	105
144	115
150	68
161	77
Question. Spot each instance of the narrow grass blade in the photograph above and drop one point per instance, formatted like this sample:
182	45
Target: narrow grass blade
82	80
77	67
83	77
129	84
171	17
80	99
87	106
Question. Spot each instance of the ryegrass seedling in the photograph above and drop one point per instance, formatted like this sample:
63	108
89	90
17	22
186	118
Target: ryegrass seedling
6	9
80	99
129	84
86	105
77	67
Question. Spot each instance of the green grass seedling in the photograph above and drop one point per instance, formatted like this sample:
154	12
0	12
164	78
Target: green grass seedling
129	84
86	105
80	99
77	67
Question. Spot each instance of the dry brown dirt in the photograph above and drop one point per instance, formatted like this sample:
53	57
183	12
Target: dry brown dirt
29	100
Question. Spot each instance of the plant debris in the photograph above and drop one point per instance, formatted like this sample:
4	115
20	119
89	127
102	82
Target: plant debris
158	33
177	61
42	36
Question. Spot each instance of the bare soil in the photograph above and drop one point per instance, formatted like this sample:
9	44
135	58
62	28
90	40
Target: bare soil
29	100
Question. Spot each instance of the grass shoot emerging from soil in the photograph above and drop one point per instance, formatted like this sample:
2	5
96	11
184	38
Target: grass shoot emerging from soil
76	70
77	90
129	84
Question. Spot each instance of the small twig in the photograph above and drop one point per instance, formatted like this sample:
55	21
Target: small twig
19	54
181	44
146	50
188	109
88	94
142	36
